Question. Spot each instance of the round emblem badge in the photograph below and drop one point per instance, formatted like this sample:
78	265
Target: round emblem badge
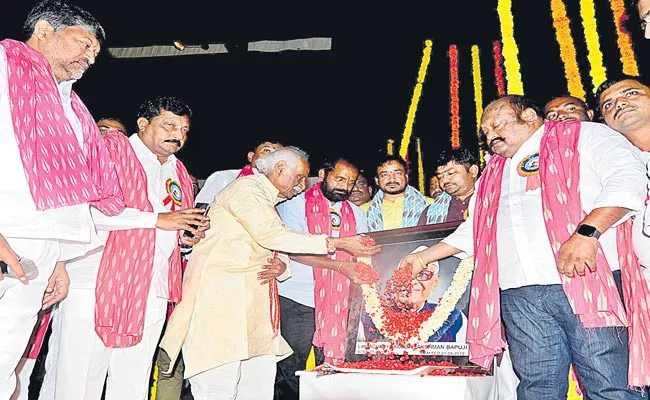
529	165
336	219
175	192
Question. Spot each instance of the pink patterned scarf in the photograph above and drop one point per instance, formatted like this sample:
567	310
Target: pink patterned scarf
331	288
125	272
246	171
594	297
58	172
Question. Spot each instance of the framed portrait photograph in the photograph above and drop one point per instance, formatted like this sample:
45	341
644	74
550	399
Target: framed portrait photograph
425	315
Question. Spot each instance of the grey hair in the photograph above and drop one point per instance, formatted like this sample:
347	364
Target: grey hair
290	154
62	14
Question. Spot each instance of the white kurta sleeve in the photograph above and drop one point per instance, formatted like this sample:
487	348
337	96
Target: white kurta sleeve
129	218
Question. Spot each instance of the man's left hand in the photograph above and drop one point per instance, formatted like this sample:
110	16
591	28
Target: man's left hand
576	253
57	286
272	270
191	241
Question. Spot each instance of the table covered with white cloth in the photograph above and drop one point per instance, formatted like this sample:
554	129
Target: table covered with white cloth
353	386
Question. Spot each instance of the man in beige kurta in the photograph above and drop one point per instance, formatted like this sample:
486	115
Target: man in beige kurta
223	322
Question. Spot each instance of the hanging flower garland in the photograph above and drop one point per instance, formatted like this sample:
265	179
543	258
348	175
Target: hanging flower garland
628	58
498	69
408	128
378	311
453	96
389	147
594	55
510	50
420	168
478	96
567	49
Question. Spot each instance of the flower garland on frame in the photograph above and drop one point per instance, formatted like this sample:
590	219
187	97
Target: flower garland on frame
594	55
453	96
510	50
628	58
567	49
375	309
417	92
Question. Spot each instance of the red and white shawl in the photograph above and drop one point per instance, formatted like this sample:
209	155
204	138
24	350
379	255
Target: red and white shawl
59	173
125	271
593	297
331	288
246	171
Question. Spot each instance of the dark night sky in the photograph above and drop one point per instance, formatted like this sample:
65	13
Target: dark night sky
343	102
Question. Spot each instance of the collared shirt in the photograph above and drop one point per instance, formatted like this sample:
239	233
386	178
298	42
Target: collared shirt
611	175
300	287
392	211
19	217
215	184
457	209
83	272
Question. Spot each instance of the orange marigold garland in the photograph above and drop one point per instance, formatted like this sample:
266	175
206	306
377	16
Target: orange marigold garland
563	36
628	58
453	96
498	68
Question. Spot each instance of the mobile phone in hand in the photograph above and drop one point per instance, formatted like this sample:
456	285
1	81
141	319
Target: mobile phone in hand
206	208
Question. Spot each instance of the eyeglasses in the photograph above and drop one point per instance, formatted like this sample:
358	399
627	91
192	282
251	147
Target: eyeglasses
424	275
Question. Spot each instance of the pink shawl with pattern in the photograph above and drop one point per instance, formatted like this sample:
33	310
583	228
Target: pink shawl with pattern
59	173
594	297
331	288
125	272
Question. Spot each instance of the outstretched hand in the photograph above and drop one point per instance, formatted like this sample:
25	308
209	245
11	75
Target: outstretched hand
358	245
272	270
191	219
359	272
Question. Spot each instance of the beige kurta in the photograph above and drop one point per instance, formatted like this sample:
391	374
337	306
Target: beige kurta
224	314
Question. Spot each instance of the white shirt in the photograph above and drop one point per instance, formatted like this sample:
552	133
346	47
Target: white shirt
215	184
19	217
83	272
641	228
611	175
300	287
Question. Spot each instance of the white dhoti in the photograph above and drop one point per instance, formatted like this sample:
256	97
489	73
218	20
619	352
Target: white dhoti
251	379
78	363
20	304
23	375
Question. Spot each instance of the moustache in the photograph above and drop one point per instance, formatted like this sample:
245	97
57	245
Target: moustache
85	62
174	141
617	113
495	139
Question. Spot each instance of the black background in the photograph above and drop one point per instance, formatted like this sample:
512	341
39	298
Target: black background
344	102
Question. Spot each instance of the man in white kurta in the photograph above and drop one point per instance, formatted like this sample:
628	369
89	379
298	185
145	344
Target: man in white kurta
55	233
74	341
611	177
